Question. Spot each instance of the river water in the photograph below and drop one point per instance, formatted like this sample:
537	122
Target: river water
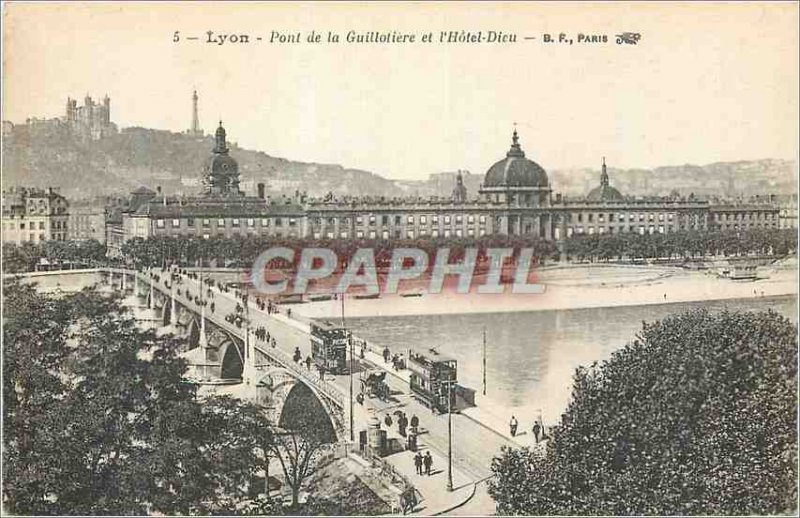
531	356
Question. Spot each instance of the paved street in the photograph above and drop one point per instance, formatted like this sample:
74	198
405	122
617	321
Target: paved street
474	445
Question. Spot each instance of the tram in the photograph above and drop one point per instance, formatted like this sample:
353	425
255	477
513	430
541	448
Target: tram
329	347
432	379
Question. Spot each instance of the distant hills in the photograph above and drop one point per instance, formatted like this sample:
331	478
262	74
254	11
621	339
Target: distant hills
49	154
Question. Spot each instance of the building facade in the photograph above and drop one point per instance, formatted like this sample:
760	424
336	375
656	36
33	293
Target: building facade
92	120
31	215
87	221
515	199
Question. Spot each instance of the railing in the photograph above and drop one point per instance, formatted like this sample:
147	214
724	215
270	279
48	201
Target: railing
281	357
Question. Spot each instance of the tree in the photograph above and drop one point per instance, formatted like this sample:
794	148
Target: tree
304	434
696	416
98	418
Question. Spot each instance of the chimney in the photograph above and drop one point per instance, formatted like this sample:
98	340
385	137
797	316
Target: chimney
261	191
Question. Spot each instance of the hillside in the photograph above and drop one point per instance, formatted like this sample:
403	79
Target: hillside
48	154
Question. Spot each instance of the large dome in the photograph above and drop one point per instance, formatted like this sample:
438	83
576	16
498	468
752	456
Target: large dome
515	170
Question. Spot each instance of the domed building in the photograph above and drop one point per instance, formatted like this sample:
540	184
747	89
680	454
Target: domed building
221	173
604	192
520	187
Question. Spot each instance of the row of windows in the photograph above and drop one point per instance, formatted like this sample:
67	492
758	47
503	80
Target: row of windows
612	217
653	228
56	225
409	234
422	219
745	215
222	223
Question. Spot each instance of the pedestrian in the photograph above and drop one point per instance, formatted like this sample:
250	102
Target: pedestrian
418	462
513	426
385	355
401	425
322	372
308	362
665	296
360	398
297	354
289	313
536	429
414	423
388	420
428	460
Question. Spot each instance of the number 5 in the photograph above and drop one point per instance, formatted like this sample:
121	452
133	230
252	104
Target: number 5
175	37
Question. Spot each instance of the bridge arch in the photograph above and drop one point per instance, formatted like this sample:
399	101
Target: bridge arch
303	410
232	363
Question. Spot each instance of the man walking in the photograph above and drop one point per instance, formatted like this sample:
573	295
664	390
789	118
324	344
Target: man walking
513	426
418	462
428	460
536	429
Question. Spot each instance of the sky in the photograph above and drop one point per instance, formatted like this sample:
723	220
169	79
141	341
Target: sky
706	82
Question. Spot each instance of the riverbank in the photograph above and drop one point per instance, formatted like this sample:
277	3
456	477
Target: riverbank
573	287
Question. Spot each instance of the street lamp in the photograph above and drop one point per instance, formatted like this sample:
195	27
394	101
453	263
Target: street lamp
449	435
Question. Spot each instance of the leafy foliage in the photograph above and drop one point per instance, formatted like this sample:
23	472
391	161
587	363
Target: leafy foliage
696	416
24	257
681	244
98	420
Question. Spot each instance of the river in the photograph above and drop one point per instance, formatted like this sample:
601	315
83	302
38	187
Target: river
531	356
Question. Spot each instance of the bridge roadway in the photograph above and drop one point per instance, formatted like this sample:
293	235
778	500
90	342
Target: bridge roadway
474	445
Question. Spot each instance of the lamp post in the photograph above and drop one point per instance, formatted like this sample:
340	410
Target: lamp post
350	344
449	435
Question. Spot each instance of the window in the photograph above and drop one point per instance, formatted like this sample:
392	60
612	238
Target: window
329	235
631	217
482	232
343	234
331	221
206	236
670	216
651	229
176	223
471	232
661	216
611	217
251	222
384	220
641	229
410	220
372	234
459	219
435	219
591	230
235	222
423	219
41	237
359	219
360	234
447	232
397	220
650	217
410	234
160	223
206	223
447	221
641	217
580	217
385	234
292	222
601	218
601	230
459	232
435	232
221	223
264	222
278	222
189	222
482	219
372	221
661	229
41	225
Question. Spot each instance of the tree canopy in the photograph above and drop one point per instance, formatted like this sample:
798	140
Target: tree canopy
98	419
698	415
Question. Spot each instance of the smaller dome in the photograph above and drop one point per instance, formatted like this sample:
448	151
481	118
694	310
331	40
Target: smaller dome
604	193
